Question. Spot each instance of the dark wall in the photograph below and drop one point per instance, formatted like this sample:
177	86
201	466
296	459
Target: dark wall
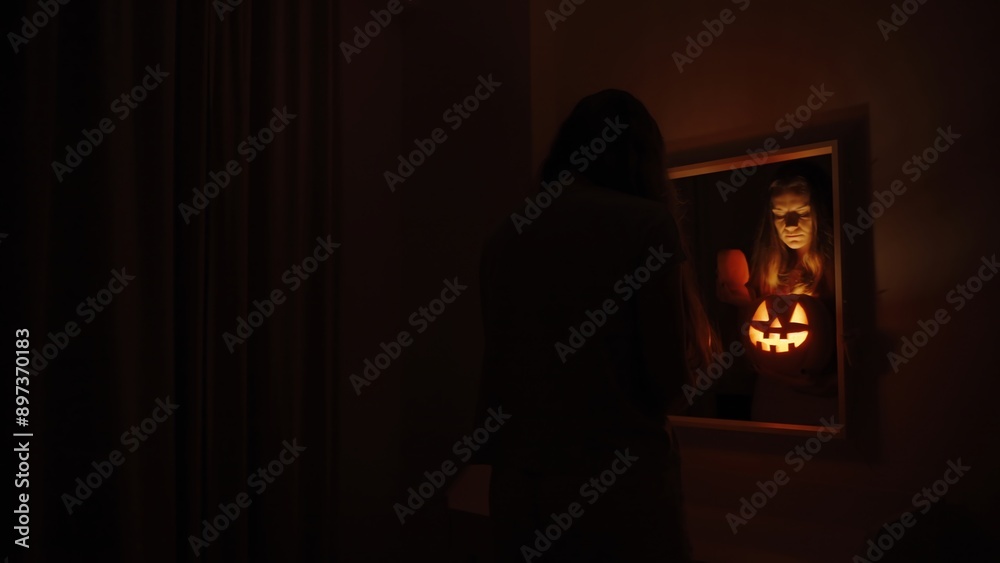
407	242
371	275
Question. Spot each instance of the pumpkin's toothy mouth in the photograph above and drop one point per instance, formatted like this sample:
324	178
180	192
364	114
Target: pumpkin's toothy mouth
775	342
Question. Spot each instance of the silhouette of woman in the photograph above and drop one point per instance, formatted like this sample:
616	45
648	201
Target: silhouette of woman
592	325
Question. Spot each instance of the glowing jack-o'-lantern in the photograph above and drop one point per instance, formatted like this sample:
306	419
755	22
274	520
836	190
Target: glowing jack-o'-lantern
767	332
789	336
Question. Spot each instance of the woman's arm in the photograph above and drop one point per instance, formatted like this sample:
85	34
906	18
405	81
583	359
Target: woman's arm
661	324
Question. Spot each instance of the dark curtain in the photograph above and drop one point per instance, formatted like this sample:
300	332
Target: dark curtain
210	82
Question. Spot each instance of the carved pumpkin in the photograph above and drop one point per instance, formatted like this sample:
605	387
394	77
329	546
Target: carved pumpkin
789	337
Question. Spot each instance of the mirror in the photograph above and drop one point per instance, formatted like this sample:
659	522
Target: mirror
764	233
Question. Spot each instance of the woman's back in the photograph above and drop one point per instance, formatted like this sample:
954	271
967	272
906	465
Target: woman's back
584	351
581	346
584	313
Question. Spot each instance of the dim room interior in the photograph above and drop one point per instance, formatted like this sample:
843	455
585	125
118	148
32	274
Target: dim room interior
300	275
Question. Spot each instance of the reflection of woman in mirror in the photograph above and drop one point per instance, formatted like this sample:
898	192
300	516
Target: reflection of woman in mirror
793	250
792	254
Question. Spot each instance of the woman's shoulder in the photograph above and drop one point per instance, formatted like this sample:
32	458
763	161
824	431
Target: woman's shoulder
597	217
631	205
641	217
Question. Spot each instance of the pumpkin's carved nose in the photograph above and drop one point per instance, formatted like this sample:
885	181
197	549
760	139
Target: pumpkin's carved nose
791	219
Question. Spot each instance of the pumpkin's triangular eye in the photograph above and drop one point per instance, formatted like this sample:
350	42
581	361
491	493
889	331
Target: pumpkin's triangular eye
761	313
775	323
799	315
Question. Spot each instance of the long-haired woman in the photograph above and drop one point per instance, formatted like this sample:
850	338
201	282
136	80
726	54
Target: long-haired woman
592	326
794	246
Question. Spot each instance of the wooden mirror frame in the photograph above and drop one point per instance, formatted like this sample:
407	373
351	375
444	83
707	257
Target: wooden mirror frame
762	159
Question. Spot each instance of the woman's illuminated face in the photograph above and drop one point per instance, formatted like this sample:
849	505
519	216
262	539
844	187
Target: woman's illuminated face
793	219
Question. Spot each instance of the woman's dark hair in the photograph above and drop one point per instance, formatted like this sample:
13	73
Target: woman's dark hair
633	163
